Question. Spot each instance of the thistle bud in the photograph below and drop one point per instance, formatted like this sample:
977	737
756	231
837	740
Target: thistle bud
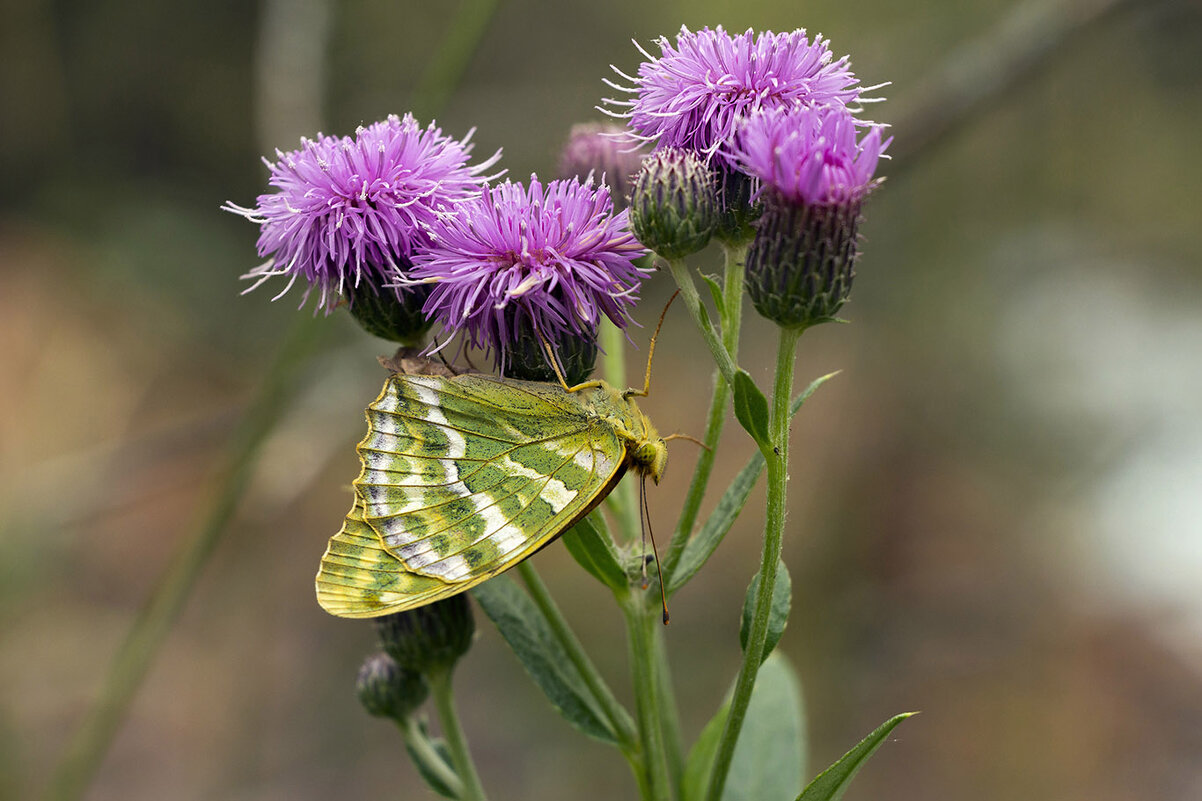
602	148
738	207
430	638
388	691
800	265
673	206
528	360
815	176
392	314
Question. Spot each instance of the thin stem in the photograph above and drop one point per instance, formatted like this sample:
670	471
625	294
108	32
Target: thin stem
430	758
778	461
623	499
669	715
154	621
692	301
614	712
732	317
444	702
641	632
452	57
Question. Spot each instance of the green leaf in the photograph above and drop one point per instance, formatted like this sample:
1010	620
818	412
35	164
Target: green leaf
716	292
778	615
699	549
701	756
767	763
595	553
702	546
832	782
424	769
527	633
797	403
751	408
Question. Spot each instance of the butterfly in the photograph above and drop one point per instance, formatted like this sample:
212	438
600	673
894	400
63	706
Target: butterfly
464	476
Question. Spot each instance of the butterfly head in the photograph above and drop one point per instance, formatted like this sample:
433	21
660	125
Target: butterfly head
650	457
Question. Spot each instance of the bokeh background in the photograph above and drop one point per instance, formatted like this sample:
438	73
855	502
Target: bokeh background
996	507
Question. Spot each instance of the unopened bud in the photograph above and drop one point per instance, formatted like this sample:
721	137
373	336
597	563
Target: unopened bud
430	638
673	205
388	691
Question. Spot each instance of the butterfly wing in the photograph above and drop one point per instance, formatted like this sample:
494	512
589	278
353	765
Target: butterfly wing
462	478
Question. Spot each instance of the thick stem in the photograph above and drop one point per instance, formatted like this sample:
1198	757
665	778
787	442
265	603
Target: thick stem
778	461
614	712
732	317
641	633
444	702
669	714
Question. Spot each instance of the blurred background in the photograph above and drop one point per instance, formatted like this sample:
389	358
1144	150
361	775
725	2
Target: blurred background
996	507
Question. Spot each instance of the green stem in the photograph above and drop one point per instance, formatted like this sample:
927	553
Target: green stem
129	666
669	715
641	633
613	342
732	317
430	758
452	57
692	301
444	702
778	461
617	715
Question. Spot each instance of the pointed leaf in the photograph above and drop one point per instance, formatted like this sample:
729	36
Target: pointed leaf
778	616
716	292
751	408
595	553
701	756
832	782
767	763
701	547
527	633
428	772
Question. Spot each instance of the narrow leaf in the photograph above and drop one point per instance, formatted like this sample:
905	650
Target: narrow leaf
701	756
716	292
751	408
595	553
766	765
700	547
832	782
527	633
797	403
428	772
778	616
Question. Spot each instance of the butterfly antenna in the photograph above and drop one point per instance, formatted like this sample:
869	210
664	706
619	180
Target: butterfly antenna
651	352
663	595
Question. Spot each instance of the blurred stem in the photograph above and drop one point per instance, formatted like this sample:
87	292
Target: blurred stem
129	667
624	501
731	318
669	715
641	624
778	463
444	701
431	760
617	715
450	60
692	301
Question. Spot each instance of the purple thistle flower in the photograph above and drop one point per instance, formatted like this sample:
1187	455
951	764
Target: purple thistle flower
602	148
548	259
810	156
694	94
351	210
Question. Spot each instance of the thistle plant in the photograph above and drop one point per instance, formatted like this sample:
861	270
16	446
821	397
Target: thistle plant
756	142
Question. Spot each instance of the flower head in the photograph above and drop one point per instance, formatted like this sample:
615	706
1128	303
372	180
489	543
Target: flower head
602	148
550	259
694	93
349	210
810	156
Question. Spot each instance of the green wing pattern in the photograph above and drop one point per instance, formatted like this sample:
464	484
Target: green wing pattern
462	478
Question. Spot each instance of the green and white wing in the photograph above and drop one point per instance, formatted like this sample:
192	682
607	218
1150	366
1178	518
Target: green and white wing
462	478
